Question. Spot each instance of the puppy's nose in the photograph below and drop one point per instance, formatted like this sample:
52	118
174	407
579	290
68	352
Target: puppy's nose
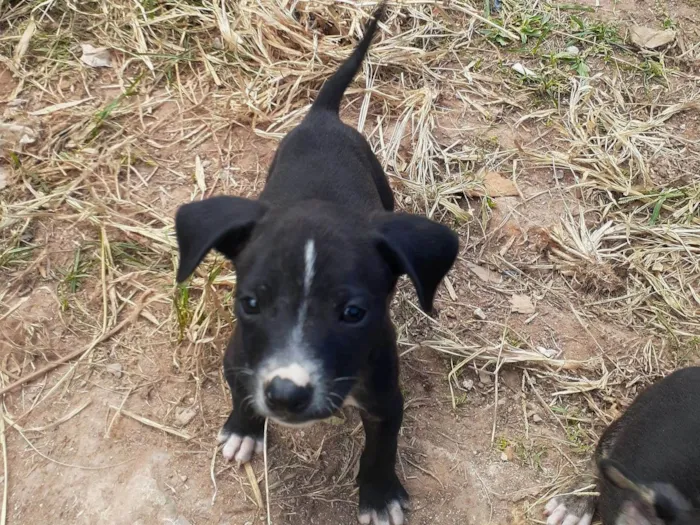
285	395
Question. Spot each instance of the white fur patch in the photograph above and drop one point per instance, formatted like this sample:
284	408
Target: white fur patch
309	262
394	515
309	272
295	372
241	448
560	515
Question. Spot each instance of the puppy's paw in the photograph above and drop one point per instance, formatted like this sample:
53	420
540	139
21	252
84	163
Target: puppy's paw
382	502
239	447
570	510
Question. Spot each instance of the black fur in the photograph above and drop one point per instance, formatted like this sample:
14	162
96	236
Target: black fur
647	461
655	445
326	206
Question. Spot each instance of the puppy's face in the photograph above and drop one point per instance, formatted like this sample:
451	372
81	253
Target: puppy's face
313	290
311	304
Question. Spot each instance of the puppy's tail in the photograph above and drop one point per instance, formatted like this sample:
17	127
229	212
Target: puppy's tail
331	93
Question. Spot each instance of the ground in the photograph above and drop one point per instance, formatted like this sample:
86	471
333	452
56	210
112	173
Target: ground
572	179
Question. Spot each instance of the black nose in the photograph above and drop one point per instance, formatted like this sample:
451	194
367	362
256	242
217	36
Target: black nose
285	395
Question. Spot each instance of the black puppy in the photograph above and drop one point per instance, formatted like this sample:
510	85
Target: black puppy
317	259
648	462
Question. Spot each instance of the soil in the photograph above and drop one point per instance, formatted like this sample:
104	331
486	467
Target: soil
484	461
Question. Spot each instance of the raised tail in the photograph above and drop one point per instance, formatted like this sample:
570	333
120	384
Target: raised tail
331	93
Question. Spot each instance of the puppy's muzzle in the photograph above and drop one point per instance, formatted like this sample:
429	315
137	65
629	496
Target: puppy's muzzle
285	396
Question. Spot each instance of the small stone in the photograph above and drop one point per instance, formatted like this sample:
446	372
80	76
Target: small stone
485	378
508	454
479	314
115	369
524	71
547	352
572	50
468	384
184	416
536	418
183	478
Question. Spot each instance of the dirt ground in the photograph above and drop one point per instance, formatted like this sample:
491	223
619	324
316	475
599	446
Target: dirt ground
503	402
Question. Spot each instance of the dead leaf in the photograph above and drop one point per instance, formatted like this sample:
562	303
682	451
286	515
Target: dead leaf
184	416
4	178
486	275
521	304
96	56
23	43
16	134
651	38
115	369
495	185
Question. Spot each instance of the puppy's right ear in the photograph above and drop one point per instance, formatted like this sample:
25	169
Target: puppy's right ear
223	223
615	474
652	502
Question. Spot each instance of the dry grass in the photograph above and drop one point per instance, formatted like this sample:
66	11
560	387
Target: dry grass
96	160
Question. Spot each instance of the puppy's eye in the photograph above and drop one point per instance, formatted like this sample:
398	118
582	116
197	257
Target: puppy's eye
250	305
353	314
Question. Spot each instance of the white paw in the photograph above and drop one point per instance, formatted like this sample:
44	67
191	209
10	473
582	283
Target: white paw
393	515
240	448
560	515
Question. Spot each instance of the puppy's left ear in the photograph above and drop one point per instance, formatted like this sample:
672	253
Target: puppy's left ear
423	249
222	223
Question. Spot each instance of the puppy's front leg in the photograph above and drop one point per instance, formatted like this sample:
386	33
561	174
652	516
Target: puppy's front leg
242	434
382	497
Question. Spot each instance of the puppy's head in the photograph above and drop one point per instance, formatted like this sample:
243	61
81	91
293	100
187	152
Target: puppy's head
648	503
313	287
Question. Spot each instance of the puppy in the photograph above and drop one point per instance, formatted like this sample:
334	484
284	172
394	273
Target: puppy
648	462
317	258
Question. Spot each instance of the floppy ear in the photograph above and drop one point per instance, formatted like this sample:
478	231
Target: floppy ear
223	223
658	501
423	249
615	474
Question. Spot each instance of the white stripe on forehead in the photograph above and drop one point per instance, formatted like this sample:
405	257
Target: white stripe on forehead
309	271
309	261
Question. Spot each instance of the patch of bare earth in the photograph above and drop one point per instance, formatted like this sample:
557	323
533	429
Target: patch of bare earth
574	189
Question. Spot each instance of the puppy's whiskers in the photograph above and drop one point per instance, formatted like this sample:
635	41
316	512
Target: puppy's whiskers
247	402
349	378
333	406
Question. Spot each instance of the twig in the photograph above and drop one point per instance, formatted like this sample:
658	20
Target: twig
254	484
154	424
6	469
79	353
267	483
212	473
63	419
